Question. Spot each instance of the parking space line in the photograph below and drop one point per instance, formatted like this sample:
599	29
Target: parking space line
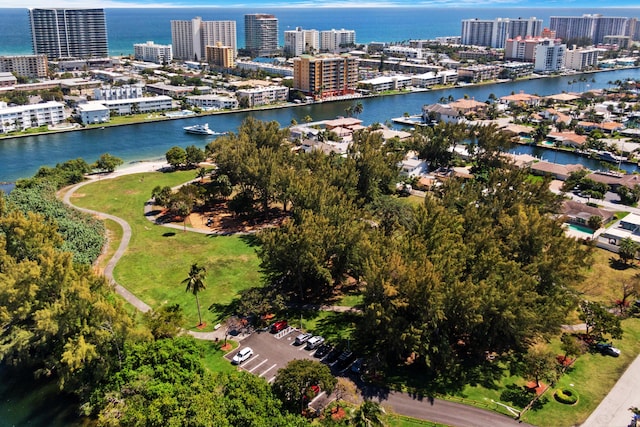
302	347
271	379
272	366
247	362
258	365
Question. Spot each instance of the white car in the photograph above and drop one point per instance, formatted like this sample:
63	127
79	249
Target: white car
302	338
314	342
242	355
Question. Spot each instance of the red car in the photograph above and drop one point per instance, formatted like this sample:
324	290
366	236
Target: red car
278	326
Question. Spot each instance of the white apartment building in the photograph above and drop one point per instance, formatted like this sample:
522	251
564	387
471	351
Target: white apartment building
404	52
299	41
549	56
335	41
109	93
189	39
29	116
279	70
151	52
581	59
383	83
212	102
139	105
263	95
431	79
93	112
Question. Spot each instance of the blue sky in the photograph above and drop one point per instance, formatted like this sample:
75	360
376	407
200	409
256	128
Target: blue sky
322	3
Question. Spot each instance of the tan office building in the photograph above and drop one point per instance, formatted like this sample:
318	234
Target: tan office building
221	56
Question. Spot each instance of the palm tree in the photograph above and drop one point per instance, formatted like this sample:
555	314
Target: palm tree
368	414
195	283
358	108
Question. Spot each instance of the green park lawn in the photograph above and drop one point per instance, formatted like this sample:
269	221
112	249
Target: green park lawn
158	258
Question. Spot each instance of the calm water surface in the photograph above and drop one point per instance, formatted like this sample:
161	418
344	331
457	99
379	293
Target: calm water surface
21	157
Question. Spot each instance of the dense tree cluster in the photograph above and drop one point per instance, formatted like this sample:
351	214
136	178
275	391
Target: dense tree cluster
82	235
482	268
164	383
59	319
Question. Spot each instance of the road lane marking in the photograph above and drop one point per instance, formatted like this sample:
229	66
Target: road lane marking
272	366
258	365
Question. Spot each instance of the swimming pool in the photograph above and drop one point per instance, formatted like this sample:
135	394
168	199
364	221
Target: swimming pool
580	228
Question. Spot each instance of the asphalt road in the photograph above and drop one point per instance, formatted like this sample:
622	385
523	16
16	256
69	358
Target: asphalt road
445	412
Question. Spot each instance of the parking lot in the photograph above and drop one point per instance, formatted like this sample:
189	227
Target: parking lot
271	352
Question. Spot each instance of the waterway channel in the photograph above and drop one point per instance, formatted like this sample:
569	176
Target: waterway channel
21	157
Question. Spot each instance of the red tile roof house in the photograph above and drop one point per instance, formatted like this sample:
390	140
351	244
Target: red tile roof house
569	139
521	99
579	213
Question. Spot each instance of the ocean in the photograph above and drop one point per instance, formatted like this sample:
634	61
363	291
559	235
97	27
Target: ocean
125	27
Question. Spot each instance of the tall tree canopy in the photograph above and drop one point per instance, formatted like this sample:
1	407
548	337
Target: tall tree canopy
483	268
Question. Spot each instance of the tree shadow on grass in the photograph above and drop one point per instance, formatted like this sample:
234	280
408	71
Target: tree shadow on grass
224	311
337	326
617	264
250	239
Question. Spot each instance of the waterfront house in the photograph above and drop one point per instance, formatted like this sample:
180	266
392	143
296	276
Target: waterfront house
554	170
466	106
441	113
568	139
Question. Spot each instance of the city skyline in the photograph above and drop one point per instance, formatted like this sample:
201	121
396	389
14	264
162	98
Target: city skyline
568	6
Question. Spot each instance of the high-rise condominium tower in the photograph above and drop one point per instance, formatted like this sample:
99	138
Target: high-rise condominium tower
594	27
261	34
69	33
495	32
191	38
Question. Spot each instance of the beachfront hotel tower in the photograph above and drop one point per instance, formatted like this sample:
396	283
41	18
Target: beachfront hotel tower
495	32
69	33
190	38
261	34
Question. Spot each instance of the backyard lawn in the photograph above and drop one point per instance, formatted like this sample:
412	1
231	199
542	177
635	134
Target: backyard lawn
158	258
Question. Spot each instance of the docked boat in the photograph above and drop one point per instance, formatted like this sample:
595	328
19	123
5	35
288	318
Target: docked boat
608	156
199	129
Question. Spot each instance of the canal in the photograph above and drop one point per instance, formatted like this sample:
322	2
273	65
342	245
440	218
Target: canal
21	157
27	402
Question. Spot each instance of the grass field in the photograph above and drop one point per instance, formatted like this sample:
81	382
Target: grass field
158	258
